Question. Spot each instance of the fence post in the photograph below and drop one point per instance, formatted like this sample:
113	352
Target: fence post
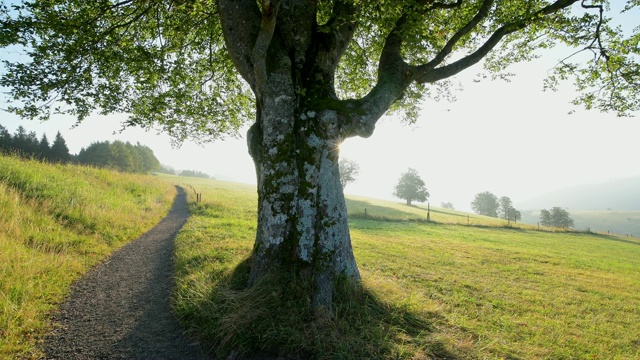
428	213
365	213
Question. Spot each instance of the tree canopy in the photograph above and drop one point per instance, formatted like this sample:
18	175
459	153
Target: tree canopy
485	203
411	187
556	217
349	169
180	65
120	156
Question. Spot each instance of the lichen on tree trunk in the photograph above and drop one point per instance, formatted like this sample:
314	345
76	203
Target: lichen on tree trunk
302	215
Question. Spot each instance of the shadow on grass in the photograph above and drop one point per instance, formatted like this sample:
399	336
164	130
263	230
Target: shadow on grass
274	319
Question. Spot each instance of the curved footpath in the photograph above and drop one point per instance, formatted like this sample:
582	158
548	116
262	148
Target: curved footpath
121	308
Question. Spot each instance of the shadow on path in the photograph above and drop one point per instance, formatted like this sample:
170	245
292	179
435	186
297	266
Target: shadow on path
121	308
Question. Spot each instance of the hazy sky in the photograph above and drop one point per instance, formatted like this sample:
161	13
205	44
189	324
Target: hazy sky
512	139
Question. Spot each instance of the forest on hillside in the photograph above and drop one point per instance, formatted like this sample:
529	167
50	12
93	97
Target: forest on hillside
117	155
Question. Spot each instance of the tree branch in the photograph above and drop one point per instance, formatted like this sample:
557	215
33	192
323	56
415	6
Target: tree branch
482	13
332	39
240	21
259	52
425	75
596	38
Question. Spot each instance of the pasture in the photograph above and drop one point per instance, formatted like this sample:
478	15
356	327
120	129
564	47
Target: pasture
430	290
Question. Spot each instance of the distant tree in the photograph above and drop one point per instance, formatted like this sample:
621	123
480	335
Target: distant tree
505	205
515	215
561	218
5	140
123	157
447	205
149	162
545	217
485	203
194	173
120	156
349	169
31	145
19	141
97	154
411	187
44	149
557	217
165	169
59	150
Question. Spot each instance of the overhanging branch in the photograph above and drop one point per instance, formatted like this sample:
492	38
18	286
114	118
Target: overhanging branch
240	20
426	75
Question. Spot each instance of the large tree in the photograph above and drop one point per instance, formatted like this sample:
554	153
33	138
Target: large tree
306	74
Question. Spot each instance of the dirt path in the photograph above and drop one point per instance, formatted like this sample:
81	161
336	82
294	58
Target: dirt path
120	309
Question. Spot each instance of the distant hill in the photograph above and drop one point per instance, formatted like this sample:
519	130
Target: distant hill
622	194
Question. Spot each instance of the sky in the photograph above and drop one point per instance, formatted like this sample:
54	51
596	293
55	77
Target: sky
509	138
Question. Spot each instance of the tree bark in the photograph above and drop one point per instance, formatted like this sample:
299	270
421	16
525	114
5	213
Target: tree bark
302	215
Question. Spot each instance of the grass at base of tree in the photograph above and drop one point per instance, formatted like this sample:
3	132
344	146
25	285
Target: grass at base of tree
56	221
429	290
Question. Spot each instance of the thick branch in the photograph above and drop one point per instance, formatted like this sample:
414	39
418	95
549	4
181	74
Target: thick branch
332	39
448	47
240	21
425	75
259	52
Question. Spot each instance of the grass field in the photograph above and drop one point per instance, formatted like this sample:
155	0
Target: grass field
431	290
56	221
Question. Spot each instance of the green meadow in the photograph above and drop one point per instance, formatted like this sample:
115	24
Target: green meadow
459	287
56	221
456	287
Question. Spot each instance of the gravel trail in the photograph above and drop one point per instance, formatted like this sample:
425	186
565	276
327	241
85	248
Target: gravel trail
121	308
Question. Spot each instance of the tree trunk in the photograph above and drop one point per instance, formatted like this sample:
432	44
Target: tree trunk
302	215
408	201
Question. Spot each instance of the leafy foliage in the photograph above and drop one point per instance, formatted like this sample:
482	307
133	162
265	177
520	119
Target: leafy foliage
349	169
485	203
447	205
411	187
556	217
162	62
194	173
166	63
120	156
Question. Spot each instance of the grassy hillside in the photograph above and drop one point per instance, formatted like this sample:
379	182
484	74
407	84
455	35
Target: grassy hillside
431	290
619	222
56	221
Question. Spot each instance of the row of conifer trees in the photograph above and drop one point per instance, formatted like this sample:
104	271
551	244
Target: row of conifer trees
115	155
